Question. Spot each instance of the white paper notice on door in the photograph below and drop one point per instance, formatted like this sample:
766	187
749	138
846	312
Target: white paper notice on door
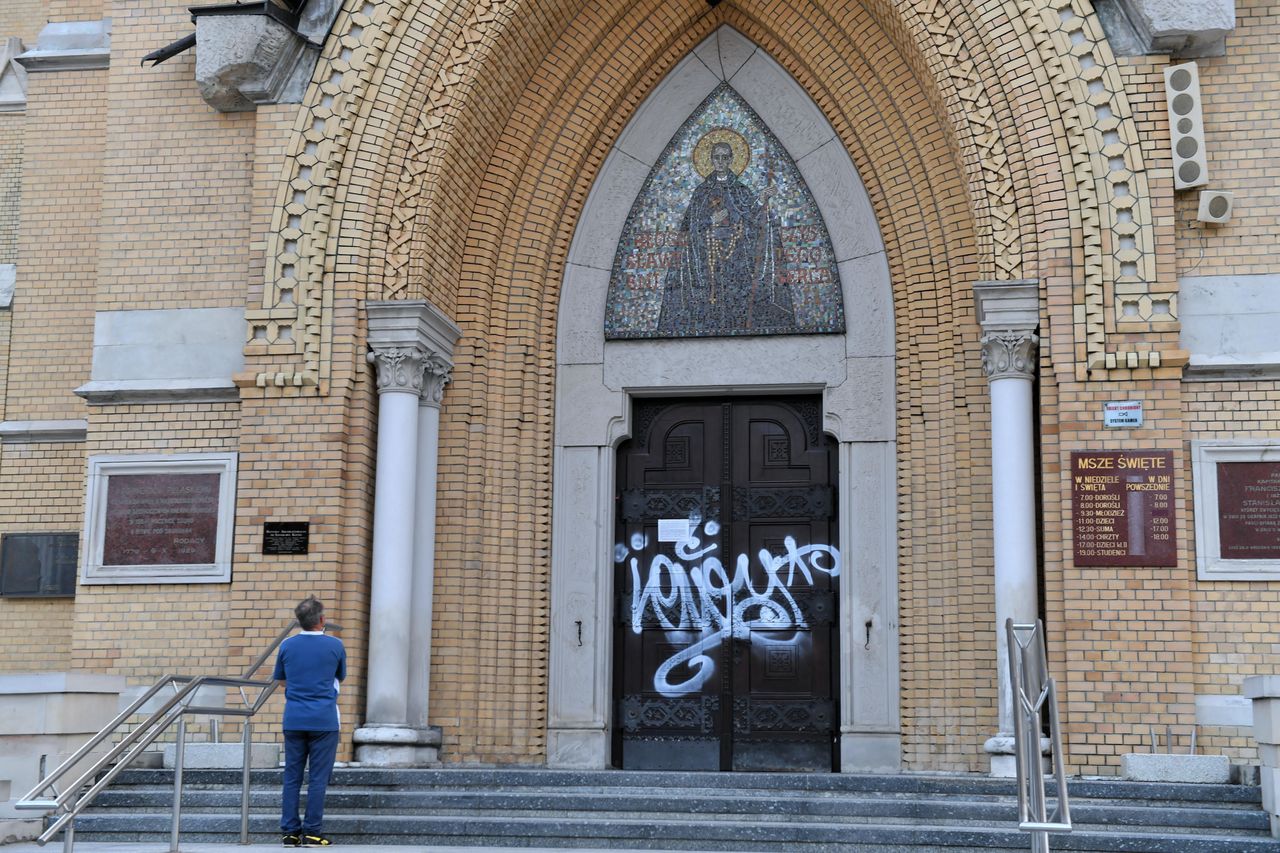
673	529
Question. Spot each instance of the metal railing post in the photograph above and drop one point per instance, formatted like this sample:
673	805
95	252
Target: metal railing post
69	836
178	750
244	781
1034	695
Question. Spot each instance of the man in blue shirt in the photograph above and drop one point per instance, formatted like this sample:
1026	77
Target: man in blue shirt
310	665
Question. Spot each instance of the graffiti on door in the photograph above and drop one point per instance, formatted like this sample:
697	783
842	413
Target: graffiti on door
695	591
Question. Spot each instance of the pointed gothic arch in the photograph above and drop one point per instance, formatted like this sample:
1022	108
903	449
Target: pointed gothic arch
596	380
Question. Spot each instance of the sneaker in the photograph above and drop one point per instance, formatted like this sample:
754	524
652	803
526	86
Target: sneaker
315	841
291	839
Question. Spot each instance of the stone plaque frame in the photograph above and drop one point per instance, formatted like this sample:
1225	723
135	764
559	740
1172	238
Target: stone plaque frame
102	468
1205	458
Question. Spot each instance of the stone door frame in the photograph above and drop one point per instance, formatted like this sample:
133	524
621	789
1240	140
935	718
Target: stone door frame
596	380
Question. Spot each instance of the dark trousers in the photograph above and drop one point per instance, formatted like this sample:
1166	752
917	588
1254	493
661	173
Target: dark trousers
300	749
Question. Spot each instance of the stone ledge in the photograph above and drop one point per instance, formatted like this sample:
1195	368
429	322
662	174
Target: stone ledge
223	756
70	46
43	432
60	682
1183	28
1261	687
1166	767
102	392
1239	367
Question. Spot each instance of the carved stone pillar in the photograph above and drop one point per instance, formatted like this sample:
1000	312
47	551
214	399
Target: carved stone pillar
1009	314
412	347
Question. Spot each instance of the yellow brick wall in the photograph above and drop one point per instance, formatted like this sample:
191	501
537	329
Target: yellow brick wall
52	341
11	142
81	10
143	631
175	217
41	491
1240	94
1236	629
23	18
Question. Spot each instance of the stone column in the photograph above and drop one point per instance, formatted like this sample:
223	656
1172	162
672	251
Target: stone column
435	377
412	346
1009	314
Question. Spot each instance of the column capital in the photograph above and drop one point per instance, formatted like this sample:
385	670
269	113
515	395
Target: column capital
412	343
1009	355
437	373
399	369
1009	314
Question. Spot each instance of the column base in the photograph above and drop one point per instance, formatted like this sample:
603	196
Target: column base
1004	760
870	752
397	746
578	749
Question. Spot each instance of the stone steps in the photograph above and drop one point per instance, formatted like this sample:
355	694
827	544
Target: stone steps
689	811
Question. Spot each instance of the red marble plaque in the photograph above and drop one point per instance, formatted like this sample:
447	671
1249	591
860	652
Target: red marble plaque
1249	510
1122	508
161	520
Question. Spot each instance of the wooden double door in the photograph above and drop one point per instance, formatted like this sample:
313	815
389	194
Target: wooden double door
727	572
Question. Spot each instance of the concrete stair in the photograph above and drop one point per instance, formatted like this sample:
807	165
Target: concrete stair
688	811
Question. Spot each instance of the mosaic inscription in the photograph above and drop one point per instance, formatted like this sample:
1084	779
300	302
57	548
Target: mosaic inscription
724	238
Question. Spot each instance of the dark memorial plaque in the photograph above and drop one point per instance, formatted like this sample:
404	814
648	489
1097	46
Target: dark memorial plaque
161	520
285	537
1249	510
1122	508
38	564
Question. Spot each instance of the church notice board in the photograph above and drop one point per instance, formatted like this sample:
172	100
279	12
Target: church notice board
1122	508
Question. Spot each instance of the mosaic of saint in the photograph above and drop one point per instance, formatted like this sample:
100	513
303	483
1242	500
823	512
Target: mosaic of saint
724	238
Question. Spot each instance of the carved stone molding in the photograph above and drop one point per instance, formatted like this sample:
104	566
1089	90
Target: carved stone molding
399	368
1009	355
245	60
438	372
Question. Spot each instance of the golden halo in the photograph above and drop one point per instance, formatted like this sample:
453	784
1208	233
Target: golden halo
702	151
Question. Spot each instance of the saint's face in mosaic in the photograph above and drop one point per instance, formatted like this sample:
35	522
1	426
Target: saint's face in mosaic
727	278
724	238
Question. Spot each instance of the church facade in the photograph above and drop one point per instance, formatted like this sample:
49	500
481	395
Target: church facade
653	384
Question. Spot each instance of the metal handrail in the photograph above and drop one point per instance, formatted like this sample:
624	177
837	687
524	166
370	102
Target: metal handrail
77	795
1035	696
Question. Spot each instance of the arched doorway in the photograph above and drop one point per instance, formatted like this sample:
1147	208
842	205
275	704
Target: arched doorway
850	374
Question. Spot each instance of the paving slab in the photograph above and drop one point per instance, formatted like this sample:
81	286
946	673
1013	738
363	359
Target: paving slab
152	847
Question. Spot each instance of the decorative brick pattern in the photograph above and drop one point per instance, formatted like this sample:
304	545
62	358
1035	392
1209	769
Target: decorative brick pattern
296	314
1108	184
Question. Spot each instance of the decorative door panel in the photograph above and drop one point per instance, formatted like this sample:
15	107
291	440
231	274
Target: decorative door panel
726	630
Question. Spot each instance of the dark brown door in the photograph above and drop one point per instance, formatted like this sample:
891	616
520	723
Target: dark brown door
726	572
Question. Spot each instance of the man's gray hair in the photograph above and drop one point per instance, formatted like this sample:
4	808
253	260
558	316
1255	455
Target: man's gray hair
309	611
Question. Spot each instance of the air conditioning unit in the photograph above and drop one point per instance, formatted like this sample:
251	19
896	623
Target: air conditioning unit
1215	206
1186	126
